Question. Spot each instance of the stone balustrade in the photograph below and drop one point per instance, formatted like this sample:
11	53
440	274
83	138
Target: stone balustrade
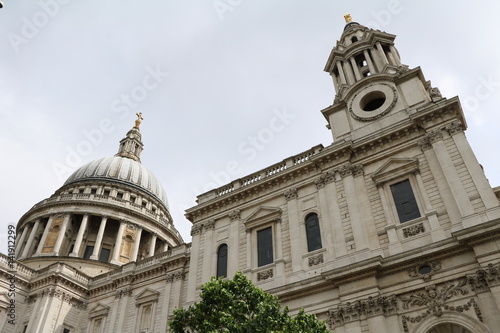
261	175
114	201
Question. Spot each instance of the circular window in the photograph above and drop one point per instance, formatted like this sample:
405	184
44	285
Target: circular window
425	269
373	101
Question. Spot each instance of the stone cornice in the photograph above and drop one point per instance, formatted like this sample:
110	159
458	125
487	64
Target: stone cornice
153	268
372	147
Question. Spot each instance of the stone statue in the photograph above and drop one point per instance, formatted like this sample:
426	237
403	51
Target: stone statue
138	120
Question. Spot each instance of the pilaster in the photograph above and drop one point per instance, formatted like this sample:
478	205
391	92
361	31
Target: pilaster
295	231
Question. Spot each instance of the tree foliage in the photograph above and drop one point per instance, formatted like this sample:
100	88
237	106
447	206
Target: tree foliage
237	306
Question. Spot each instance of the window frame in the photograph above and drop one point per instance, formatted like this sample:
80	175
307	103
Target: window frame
144	299
309	236
397	208
267	246
218	267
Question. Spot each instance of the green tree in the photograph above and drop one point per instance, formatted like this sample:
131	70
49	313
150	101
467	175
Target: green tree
237	306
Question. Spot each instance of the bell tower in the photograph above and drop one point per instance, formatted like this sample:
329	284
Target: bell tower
374	89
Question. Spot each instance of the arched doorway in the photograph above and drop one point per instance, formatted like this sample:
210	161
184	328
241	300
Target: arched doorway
448	328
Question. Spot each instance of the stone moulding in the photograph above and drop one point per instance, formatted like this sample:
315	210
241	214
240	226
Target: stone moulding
434	265
484	278
413	230
353	311
433	299
264	275
316	260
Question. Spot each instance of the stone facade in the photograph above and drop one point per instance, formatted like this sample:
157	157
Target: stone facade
392	228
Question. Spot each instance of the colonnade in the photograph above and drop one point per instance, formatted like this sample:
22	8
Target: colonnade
48	237
349	71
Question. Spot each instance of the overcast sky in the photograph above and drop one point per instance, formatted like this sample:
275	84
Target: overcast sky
208	77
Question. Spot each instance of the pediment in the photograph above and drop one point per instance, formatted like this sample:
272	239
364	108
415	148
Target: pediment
147	295
394	168
263	215
99	310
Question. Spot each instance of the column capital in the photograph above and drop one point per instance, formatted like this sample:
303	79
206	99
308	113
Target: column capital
235	215
291	193
435	135
455	127
209	225
324	179
350	170
425	143
196	229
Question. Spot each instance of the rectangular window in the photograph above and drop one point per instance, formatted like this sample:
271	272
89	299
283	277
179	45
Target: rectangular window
405	202
88	252
265	246
104	255
313	233
222	261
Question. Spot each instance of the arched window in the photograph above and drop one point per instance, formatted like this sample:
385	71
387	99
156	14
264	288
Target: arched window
354	39
222	261
313	232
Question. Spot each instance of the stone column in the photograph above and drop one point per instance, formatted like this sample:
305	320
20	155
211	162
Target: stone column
369	61
62	234
137	242
209	253
44	236
450	173
152	245
123	296
355	69
98	240
476	172
79	236
377	59
364	205
395	54
31	238
294	225
193	267
341	73
438	174
233	242
176	280
359	233
118	244
279	260
348	72
165	308
381	52
335	81
19	243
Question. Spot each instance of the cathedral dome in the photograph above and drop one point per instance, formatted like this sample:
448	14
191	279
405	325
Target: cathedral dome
121	170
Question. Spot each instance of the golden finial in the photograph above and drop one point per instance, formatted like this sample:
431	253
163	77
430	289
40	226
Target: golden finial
348	18
138	120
